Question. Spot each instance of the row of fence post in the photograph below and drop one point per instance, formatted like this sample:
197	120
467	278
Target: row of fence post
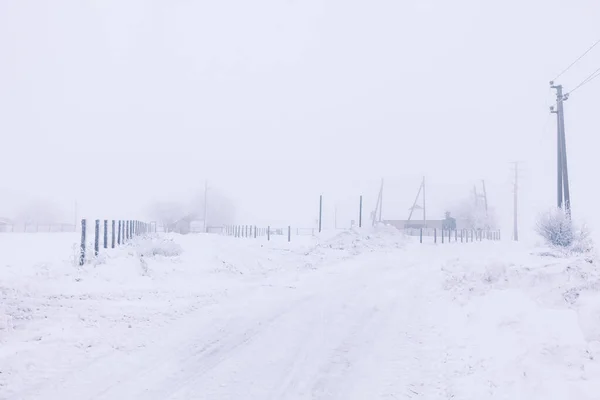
253	231
122	231
465	235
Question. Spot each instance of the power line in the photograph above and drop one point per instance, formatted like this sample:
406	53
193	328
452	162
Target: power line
577	60
587	80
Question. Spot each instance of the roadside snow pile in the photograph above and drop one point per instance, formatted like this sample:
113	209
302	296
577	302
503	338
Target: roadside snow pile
353	242
533	321
158	246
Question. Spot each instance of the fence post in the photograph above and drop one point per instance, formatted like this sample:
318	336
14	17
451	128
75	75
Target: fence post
106	234
113	234
442	235
462	232
360	212
82	247
268	233
289	233
434	235
455	235
421	236
254	231
119	233
97	237
320	211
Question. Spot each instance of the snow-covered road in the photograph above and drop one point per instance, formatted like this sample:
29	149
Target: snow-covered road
354	331
368	321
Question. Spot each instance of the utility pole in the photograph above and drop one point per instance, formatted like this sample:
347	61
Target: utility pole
424	207
380	200
378	205
76	222
415	205
205	205
562	175
335	217
515	203
320	212
485	202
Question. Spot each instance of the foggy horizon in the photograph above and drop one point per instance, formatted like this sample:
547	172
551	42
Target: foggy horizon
116	105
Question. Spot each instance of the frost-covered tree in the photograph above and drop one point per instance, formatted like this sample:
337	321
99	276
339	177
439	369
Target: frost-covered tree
168	213
174	215
220	209
555	227
39	212
474	214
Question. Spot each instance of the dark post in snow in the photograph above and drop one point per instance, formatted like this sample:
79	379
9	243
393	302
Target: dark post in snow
434	235
106	234
97	237
289	233
462	232
254	231
442	235
421	236
268	233
360	213
113	234
320	212
119	234
455	235
82	248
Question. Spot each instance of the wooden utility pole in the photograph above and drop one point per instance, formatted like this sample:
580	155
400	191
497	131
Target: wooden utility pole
378	205
320	212
424	207
205	205
485	202
412	209
562	175
515	202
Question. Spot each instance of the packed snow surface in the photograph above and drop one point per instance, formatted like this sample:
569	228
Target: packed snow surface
359	314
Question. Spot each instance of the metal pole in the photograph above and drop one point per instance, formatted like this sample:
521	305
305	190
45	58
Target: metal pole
360	212
105	234
113	234
82	246
97	237
320	211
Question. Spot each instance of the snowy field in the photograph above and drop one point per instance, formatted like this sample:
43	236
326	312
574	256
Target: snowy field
365	314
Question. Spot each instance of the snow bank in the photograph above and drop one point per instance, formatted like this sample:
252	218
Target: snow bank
531	321
351	243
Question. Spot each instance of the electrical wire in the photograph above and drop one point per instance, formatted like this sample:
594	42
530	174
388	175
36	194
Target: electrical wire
587	80
577	60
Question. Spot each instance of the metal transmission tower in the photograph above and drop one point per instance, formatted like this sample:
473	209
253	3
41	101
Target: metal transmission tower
562	174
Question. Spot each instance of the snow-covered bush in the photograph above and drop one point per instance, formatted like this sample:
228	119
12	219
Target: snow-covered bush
555	227
582	241
151	247
558	230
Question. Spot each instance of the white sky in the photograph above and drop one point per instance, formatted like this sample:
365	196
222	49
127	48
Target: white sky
116	103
